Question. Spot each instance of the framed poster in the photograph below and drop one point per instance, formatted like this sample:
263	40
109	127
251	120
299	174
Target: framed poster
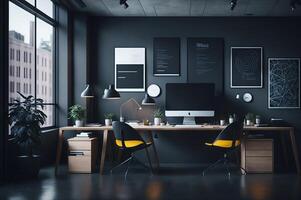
130	69
284	83
205	62
166	57
246	67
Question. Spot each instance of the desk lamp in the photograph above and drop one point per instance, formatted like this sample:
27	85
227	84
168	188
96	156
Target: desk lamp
111	93
122	105
88	92
148	101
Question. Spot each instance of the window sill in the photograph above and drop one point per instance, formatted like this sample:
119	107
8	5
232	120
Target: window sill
50	129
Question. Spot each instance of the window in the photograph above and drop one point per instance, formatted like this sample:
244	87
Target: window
31	37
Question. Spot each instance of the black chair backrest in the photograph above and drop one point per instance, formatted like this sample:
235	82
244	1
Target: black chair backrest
123	131
233	132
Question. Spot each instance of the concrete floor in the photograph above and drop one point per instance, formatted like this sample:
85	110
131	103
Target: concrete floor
168	184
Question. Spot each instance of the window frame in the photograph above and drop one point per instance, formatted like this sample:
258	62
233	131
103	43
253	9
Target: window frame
38	14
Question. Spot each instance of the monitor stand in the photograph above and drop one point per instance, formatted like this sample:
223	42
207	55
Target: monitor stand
189	121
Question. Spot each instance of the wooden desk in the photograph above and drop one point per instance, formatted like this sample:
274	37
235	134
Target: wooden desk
169	130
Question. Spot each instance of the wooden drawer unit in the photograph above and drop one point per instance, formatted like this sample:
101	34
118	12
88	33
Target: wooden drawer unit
257	155
82	155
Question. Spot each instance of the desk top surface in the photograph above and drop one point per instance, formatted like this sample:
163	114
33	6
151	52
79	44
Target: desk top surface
175	128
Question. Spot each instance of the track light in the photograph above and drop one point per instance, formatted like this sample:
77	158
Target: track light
233	4
124	3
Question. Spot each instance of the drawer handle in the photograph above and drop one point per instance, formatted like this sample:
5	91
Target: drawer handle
76	153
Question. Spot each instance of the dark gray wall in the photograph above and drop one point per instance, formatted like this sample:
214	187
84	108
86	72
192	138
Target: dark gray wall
280	37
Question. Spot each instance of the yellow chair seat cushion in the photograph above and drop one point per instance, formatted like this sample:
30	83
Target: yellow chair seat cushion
130	143
223	143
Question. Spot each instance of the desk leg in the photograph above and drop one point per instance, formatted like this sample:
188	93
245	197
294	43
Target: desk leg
295	151
103	152
155	151
59	150
284	149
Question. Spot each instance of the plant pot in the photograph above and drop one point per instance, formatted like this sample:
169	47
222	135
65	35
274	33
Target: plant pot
79	123
108	122
258	121
157	121
231	120
222	122
28	166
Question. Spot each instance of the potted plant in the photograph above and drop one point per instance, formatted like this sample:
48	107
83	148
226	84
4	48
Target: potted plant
77	113
158	116
26	118
249	119
108	119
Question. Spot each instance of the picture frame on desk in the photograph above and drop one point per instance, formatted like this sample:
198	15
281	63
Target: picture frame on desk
246	67
284	83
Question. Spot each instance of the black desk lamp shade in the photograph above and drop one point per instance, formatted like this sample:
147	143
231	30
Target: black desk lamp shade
148	100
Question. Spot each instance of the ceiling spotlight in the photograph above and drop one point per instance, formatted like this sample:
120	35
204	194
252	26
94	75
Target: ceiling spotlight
124	3
233	4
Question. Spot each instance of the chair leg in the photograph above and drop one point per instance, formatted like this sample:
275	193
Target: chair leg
127	160
149	160
244	171
128	167
226	162
212	165
141	163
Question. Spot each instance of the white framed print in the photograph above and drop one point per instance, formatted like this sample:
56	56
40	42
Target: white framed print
130	69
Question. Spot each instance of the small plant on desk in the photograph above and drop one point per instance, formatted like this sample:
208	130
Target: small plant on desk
77	113
250	117
108	119
158	116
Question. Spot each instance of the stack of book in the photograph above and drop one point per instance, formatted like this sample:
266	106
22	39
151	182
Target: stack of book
84	135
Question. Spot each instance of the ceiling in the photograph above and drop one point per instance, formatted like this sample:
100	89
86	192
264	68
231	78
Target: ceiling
187	8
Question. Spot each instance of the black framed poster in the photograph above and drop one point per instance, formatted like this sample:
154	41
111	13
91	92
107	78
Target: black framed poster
130	69
166	57
205	61
246	67
284	83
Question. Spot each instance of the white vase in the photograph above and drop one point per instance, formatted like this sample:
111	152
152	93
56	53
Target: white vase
231	120
157	121
249	123
79	123
108	122
257	120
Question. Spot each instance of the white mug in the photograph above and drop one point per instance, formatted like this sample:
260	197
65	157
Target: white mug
222	122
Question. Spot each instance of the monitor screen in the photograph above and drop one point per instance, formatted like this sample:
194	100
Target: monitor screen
189	96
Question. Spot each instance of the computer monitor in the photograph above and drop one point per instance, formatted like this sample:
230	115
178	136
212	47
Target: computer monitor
189	100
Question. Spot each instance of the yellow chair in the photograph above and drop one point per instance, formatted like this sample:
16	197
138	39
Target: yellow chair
228	140
129	140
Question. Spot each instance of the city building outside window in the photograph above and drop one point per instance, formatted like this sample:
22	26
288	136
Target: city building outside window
32	37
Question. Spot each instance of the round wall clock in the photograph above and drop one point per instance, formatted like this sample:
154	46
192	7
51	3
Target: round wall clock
247	97
153	90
